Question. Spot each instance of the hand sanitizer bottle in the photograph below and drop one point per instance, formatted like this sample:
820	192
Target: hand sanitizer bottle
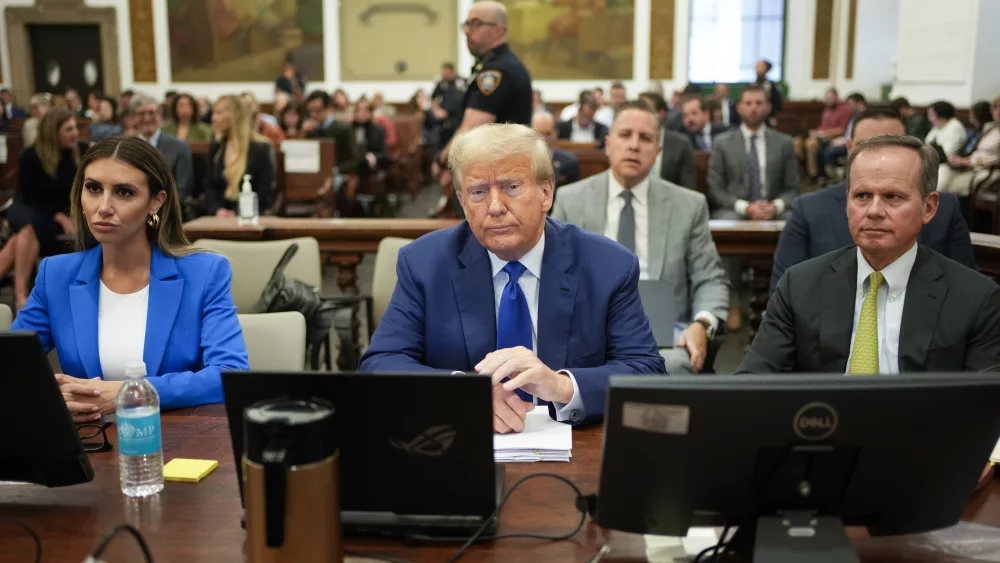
249	213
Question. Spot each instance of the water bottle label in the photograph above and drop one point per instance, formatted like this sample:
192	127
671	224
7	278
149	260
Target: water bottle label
139	435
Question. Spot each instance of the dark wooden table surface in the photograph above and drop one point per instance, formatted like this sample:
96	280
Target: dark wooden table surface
195	523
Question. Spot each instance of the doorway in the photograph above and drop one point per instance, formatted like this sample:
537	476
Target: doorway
57	68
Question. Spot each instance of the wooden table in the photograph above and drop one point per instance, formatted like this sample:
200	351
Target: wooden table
195	523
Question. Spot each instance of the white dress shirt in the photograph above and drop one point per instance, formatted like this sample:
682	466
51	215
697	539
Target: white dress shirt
153	139
640	205
742	204
605	116
890	298
530	283
724	105
706	137
121	330
569	112
582	134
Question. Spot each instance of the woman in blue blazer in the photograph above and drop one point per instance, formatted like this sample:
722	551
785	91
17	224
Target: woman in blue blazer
140	292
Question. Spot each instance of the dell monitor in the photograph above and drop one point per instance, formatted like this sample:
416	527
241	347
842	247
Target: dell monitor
39	442
791	460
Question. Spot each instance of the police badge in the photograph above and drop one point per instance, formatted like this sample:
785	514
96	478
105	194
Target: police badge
488	81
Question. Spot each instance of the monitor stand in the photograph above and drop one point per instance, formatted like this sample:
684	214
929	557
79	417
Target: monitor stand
793	537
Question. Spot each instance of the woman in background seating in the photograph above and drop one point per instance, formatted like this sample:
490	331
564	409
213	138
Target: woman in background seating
186	125
40	210
947	132
961	172
105	123
234	152
290	120
342	110
136	291
38	106
369	140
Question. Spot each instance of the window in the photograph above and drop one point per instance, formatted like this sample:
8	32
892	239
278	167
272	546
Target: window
728	37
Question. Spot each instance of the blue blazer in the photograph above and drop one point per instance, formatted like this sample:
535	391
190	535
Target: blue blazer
817	224
442	315
192	333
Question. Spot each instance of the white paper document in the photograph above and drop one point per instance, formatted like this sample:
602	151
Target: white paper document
301	156
543	439
667	549
995	457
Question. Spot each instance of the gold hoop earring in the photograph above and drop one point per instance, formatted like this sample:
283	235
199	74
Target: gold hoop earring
153	221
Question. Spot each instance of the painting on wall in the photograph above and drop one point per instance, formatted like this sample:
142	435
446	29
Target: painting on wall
244	40
397	40
573	39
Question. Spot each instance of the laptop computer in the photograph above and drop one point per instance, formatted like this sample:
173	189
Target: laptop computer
416	450
40	443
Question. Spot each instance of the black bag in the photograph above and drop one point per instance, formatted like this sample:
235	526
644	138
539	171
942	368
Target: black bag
282	294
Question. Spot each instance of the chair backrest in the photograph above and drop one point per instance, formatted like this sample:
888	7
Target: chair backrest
6	317
384	275
253	263
275	341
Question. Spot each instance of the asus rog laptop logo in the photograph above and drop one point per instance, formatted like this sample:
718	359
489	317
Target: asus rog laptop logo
433	442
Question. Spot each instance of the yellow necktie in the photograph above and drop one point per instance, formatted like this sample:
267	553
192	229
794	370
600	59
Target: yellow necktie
864	358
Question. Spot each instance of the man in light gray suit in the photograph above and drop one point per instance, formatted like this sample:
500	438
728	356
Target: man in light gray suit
664	224
752	175
176	152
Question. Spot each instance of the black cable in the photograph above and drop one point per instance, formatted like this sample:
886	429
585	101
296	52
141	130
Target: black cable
96	555
374	556
581	501
31	532
721	544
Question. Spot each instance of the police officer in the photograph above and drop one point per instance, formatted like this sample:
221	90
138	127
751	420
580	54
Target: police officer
499	88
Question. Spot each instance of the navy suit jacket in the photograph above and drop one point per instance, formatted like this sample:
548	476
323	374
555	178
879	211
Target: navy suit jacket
567	167
442	315
817	224
192	333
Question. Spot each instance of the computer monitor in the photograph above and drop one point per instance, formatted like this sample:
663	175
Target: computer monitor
416	450
38	441
790	460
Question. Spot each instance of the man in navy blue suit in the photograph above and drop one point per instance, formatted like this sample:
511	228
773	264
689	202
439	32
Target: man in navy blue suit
549	310
565	166
817	222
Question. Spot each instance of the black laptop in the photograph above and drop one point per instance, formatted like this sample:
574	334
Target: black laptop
416	450
39	442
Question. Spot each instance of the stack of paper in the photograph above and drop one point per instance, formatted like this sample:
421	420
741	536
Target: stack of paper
543	439
995	457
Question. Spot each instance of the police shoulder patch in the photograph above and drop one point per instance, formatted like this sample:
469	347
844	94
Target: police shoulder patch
488	81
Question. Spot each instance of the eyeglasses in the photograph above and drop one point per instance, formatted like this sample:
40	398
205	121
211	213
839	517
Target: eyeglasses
474	24
88	433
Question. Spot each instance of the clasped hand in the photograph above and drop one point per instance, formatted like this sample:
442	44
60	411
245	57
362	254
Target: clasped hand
528	373
88	399
762	210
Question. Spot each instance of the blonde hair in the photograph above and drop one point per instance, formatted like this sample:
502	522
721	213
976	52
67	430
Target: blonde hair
239	136
496	141
47	144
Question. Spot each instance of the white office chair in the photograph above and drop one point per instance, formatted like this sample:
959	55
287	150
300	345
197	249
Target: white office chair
384	276
6	317
253	263
275	341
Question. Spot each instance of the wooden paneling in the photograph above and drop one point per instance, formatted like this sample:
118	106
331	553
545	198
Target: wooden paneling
143	48
823	40
661	40
852	24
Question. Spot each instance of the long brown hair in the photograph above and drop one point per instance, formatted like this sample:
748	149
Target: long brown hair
239	135
168	234
47	144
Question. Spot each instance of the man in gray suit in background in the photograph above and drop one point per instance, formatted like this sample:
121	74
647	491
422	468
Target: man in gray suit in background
752	174
887	305
664	224
176	152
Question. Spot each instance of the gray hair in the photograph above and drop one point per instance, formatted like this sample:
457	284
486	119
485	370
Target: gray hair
41	99
928	158
495	141
138	100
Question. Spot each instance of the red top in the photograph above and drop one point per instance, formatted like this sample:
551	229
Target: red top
836	117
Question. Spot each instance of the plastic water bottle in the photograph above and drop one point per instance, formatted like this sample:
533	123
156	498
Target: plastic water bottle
249	210
140	453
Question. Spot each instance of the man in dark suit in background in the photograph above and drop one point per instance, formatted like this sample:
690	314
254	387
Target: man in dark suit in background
146	112
817	222
698	126
566	166
771	89
727	107
583	128
887	305
675	163
322	124
8	109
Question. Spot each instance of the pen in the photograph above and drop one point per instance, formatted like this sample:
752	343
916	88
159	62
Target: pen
604	549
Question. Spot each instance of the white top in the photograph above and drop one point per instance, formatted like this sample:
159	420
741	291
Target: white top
569	112
951	137
582	134
742	204
605	116
530	283
121	330
724	105
890	298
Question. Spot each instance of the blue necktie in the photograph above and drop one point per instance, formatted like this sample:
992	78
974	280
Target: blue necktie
513	318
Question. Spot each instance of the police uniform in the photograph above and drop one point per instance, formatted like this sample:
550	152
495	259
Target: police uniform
500	84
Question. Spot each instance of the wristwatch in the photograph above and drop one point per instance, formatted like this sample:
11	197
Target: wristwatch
709	329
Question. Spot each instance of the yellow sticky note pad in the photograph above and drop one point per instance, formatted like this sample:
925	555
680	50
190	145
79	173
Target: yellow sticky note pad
188	470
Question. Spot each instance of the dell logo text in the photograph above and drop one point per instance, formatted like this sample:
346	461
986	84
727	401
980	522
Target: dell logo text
815	421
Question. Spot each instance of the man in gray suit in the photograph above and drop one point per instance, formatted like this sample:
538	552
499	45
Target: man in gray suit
752	174
176	152
664	224
888	305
